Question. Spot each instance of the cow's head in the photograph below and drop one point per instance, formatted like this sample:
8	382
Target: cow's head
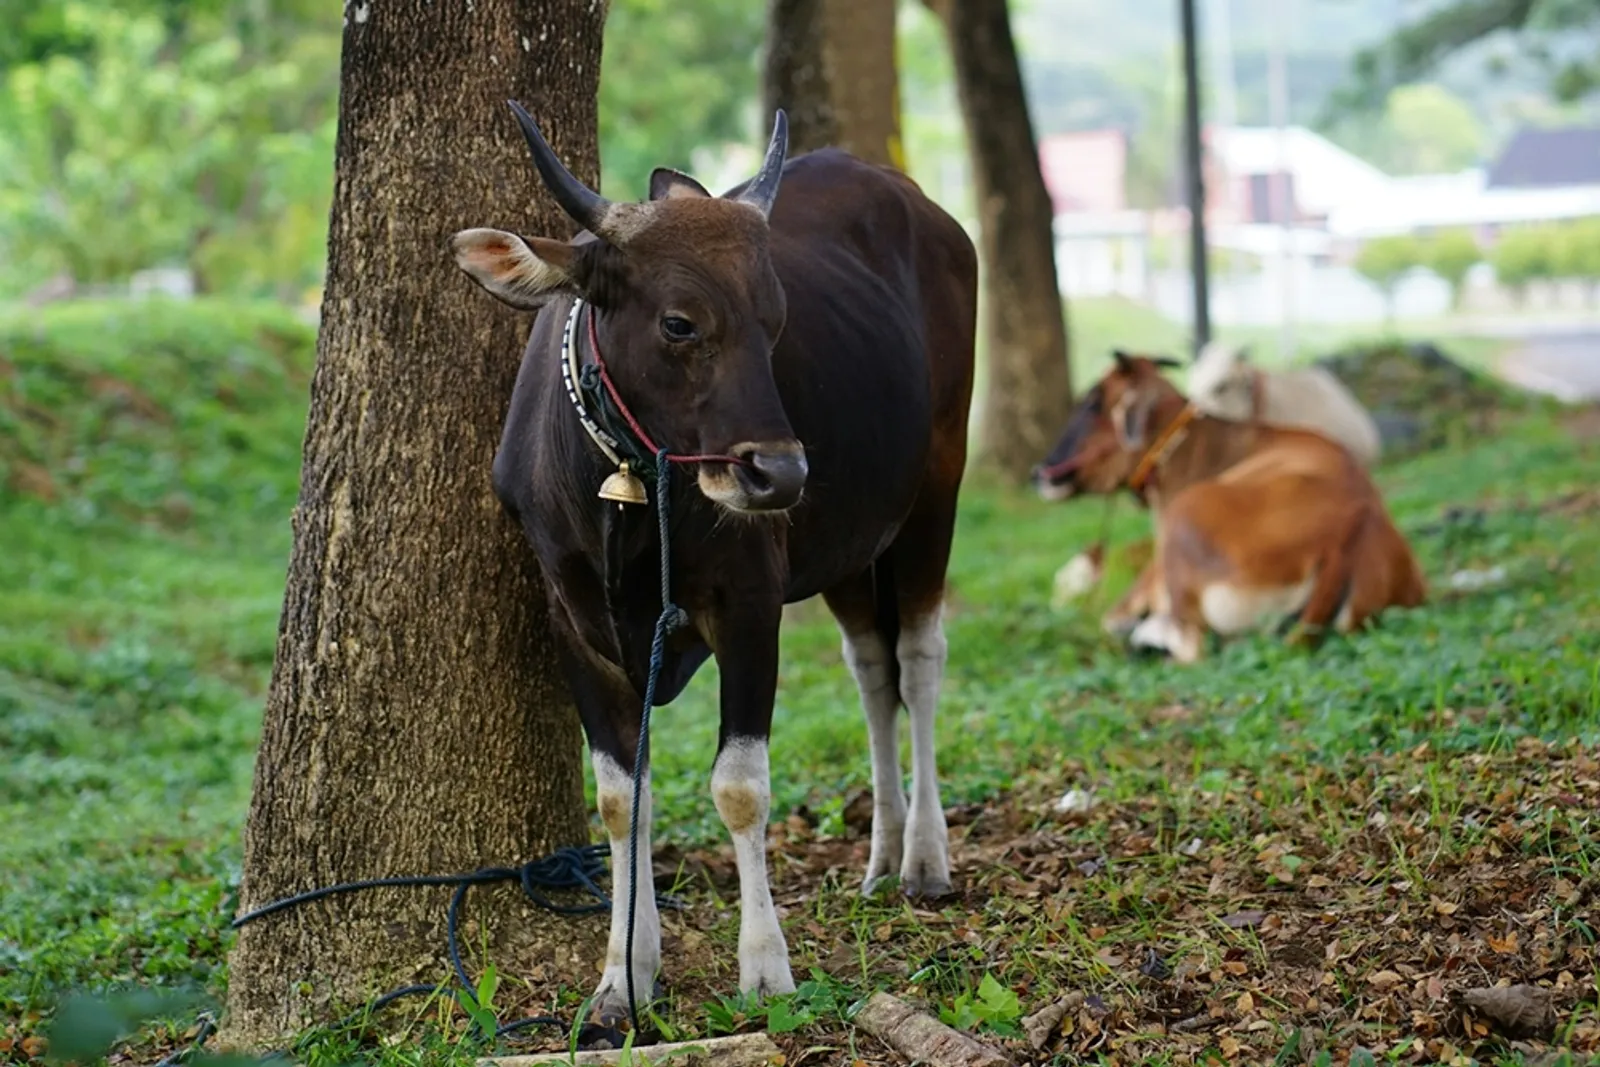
1110	430
1222	382
688	305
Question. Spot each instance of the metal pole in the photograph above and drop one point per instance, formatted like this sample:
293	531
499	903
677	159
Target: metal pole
1196	179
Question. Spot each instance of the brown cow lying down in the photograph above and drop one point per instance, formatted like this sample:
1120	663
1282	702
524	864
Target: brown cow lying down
1255	525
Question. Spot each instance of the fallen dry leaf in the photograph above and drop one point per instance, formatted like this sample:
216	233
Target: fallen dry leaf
1516	1011
1242	920
1384	979
1246	1004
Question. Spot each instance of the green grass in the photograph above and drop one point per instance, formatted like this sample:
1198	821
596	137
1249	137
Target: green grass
137	620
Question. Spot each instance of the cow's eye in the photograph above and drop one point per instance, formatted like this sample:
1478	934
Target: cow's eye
677	329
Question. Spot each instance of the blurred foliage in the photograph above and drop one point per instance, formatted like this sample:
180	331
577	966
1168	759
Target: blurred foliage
1423	129
153	409
1558	36
193	135
676	77
1385	260
1450	254
1538	253
200	133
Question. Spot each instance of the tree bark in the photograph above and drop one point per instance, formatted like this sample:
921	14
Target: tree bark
1029	390
831	65
416	722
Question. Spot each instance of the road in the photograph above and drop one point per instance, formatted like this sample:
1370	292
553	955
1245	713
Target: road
1563	365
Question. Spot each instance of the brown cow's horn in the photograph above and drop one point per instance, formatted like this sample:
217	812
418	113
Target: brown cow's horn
763	188
586	207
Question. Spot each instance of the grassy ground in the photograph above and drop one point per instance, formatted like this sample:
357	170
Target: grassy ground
1339	845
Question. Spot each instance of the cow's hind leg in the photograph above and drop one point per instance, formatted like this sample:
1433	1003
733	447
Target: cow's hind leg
869	652
917	562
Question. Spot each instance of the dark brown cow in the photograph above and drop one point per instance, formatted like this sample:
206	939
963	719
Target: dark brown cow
1254	524
809	357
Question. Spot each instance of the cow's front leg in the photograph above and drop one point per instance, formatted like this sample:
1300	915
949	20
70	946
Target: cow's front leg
747	657
614	797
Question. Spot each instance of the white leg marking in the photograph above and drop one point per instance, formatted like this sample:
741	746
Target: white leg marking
868	657
1230	609
741	788
614	795
925	867
1166	634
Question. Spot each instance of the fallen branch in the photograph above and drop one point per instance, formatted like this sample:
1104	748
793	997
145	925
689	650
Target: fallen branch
739	1050
921	1038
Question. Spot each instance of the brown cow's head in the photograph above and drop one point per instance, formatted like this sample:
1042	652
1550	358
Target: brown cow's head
689	308
1111	429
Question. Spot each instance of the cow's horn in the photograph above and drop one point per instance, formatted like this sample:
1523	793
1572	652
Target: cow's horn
585	206
763	188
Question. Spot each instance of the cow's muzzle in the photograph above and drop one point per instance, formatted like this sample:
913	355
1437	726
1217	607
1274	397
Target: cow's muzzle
771	476
1057	481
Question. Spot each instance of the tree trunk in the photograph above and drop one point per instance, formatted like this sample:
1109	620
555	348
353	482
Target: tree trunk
795	77
416	722
831	65
1029	391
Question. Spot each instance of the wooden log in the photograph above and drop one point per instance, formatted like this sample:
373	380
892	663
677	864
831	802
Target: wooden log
738	1050
921	1038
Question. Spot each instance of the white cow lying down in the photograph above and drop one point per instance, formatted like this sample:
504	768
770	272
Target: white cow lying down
1224	384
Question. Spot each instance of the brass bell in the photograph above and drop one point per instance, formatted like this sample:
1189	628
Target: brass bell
623	486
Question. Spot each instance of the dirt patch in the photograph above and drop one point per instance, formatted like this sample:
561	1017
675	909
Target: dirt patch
1584	423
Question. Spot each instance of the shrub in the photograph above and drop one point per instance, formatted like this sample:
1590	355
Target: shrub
154	408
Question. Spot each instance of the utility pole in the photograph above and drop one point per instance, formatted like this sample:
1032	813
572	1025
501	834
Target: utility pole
1195	175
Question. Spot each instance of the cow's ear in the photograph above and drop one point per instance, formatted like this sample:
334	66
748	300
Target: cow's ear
522	273
669	184
1132	417
1168	362
1124	360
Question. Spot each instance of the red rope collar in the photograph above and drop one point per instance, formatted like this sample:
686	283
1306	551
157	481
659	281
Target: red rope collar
633	423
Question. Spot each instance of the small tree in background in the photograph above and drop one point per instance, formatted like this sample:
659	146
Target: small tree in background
1575	253
1450	255
1522	256
1384	261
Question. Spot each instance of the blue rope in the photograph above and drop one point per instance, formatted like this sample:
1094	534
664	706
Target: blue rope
671	619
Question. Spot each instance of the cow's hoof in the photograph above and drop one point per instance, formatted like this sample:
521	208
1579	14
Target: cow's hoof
930	888
609	1009
928	878
766	975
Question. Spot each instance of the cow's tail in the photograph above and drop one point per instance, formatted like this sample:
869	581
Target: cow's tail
886	607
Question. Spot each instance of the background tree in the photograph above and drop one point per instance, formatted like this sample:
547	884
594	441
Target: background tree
831	65
132	139
1521	256
1029	390
655	113
1451	254
1545	30
415	722
1384	261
